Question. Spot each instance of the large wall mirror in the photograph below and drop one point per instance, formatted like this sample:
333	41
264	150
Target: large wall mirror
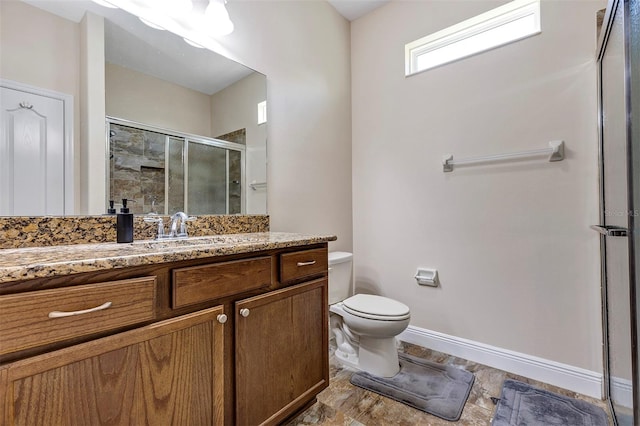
184	127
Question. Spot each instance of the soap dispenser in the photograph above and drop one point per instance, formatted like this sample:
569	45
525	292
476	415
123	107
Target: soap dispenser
124	224
111	209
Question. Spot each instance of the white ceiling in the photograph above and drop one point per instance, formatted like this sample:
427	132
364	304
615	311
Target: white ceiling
354	9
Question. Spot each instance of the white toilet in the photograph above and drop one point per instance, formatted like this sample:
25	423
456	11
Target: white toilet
365	326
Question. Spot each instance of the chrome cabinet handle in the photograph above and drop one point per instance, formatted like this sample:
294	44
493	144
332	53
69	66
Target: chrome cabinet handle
313	262
245	312
222	318
61	314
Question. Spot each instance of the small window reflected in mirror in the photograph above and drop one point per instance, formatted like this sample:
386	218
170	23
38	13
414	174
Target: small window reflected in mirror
262	112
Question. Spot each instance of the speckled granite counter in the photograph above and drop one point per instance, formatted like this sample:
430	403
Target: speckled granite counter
38	262
20	232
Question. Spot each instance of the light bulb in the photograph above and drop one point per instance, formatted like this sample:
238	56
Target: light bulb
217	17
178	7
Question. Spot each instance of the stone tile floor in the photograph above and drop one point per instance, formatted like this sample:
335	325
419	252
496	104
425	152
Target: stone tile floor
345	404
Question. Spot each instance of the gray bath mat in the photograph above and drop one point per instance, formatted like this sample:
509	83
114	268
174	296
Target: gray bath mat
524	405
436	389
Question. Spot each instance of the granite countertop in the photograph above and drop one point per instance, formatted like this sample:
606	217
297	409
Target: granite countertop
38	262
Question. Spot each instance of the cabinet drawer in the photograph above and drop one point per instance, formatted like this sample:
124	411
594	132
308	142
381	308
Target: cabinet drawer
199	284
301	264
41	317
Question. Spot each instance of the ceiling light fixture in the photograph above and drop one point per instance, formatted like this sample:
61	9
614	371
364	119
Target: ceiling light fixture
176	7
105	4
217	18
209	19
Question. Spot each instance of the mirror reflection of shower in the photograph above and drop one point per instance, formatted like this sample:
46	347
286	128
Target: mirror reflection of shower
112	133
166	171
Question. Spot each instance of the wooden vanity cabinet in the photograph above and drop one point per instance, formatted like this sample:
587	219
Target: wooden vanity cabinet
235	340
167	373
278	372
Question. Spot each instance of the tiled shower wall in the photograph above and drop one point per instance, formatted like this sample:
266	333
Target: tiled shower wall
137	163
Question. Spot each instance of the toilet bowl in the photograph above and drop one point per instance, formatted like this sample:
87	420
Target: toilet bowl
365	326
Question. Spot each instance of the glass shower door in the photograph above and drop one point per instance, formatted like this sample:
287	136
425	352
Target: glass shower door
165	172
619	170
615	215
175	175
207	179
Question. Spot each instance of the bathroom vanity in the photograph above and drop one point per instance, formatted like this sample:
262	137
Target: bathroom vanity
228	329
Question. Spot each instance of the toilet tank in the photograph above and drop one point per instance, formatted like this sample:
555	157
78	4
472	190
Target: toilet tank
340	276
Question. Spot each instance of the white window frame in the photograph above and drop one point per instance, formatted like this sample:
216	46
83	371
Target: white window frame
472	27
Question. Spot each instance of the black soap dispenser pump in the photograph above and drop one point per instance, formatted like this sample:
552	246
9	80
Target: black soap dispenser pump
124	224
111	209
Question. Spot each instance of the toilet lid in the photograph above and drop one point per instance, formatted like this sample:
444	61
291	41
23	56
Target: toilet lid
371	306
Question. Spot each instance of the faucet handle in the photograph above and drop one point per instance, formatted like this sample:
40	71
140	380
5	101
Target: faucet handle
154	218
183	225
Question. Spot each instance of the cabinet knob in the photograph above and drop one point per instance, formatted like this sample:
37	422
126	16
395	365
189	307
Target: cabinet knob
245	312
222	318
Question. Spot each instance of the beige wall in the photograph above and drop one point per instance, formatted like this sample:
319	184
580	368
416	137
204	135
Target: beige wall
303	49
234	108
518	264
31	38
139	97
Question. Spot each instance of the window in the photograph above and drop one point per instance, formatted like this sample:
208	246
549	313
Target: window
262	112
505	24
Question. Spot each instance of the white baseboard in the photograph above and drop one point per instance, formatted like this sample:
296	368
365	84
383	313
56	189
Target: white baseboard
622	392
566	376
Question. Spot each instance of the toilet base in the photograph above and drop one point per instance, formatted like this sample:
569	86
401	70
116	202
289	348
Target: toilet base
347	359
375	355
379	357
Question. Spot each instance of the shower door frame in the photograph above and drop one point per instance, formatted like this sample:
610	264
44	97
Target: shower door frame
632	50
633	203
186	138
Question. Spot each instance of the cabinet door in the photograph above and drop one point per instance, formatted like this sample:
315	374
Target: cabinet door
282	354
168	373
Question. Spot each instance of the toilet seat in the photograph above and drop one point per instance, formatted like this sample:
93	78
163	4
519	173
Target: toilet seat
374	307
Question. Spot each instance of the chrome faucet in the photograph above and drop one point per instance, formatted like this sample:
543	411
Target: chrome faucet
175	231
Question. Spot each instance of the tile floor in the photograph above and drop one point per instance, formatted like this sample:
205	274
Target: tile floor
345	404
